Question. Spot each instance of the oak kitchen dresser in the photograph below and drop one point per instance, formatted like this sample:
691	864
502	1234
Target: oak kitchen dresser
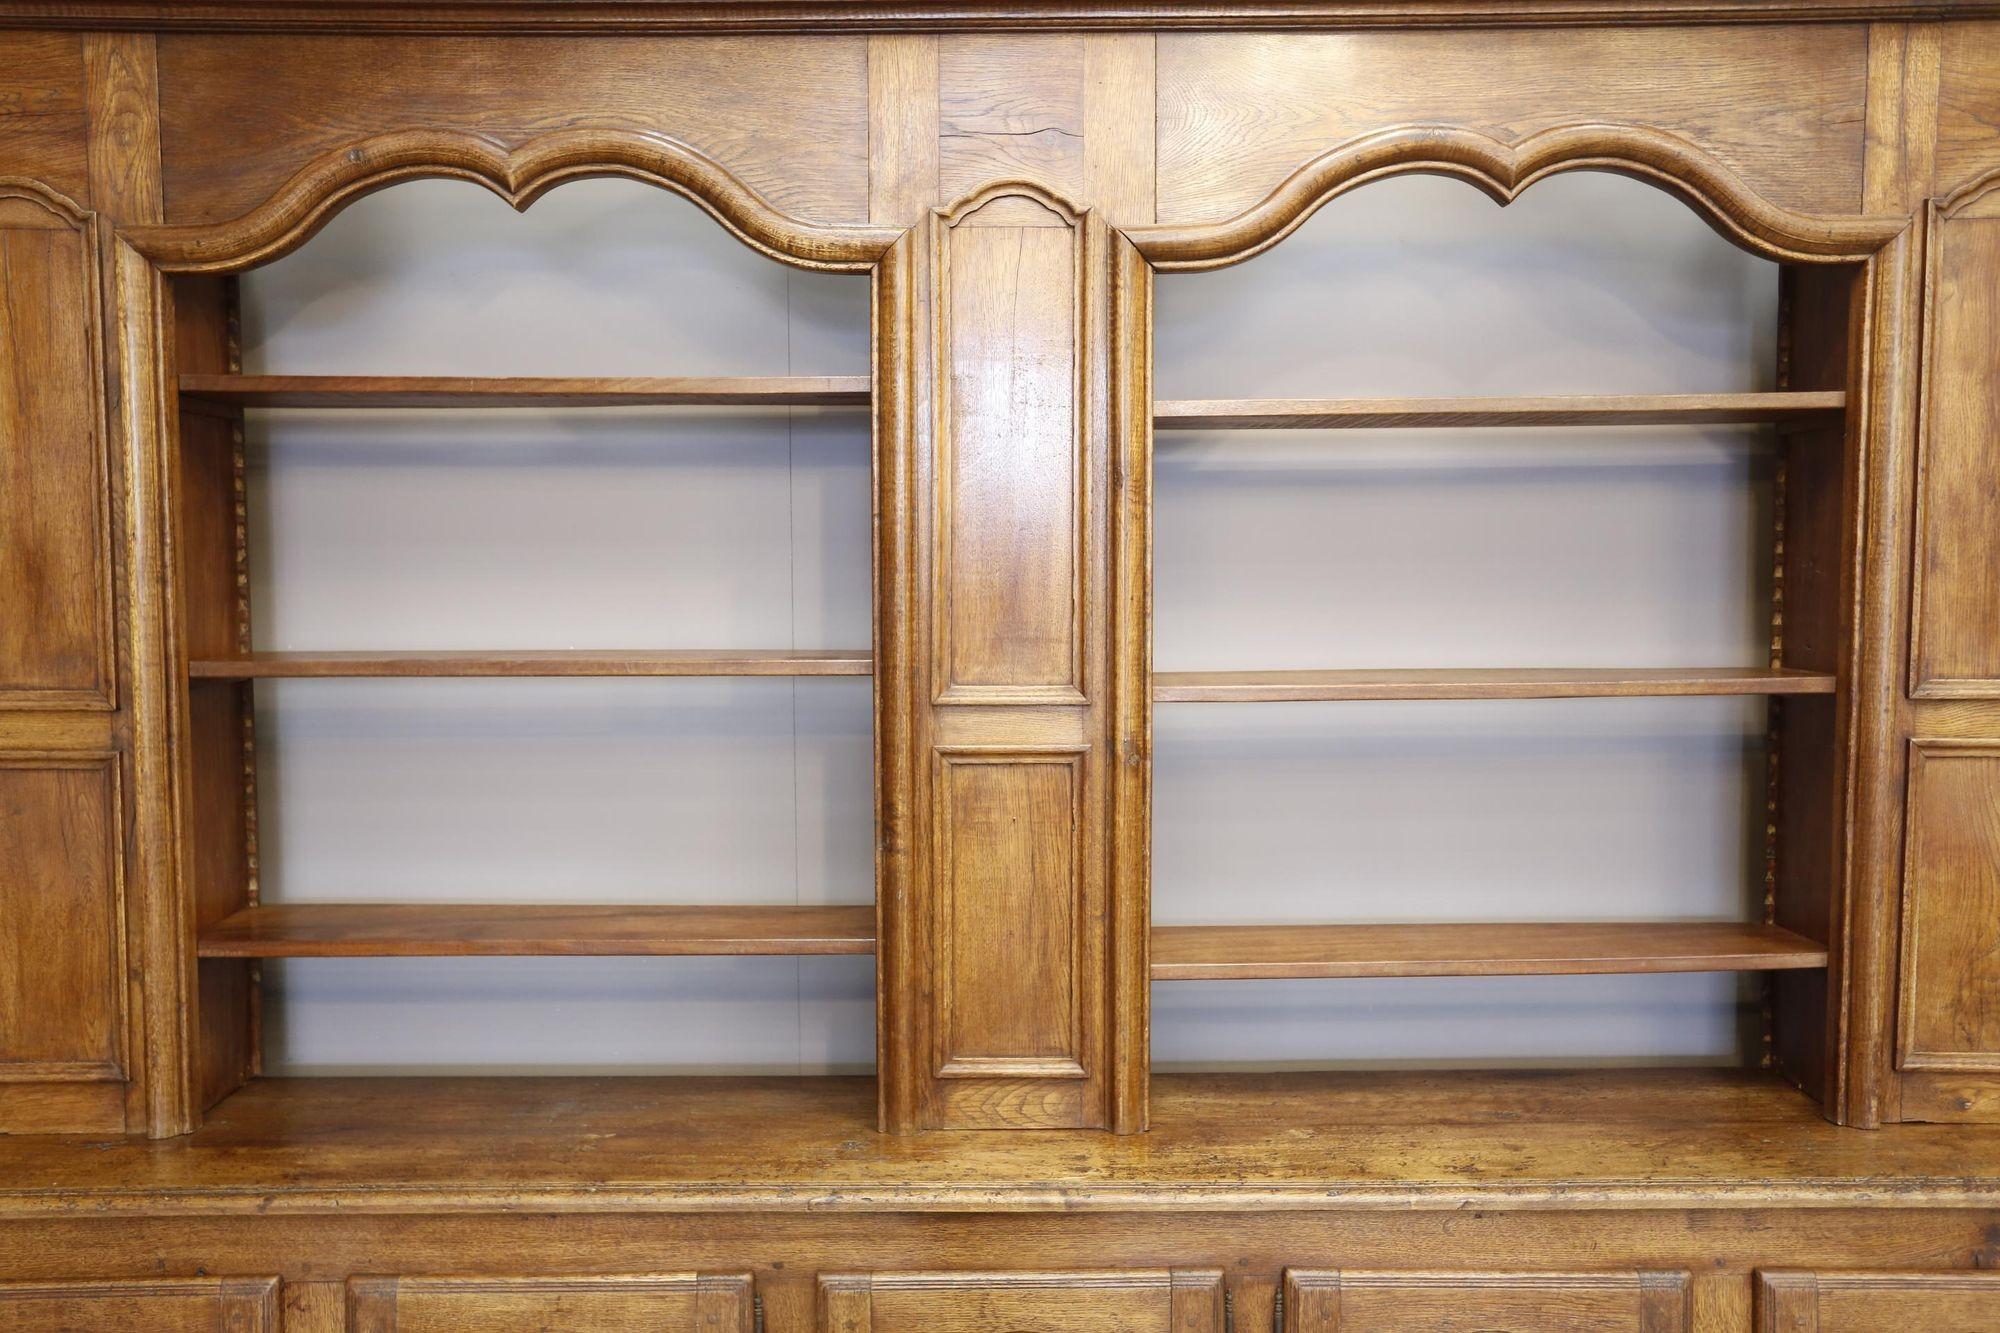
1012	176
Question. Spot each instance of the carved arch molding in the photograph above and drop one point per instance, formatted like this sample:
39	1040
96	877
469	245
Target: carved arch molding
522	173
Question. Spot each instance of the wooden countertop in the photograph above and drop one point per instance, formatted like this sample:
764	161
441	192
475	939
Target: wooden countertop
1595	1139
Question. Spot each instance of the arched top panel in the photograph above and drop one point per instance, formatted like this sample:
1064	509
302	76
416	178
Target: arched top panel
1503	170
520	175
1979	196
25	199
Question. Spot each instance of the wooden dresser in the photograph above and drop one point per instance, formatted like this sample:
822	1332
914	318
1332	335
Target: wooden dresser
1012	176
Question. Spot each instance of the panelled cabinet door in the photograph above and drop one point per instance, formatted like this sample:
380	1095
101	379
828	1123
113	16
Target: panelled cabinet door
603	1303
1327	1300
1155	1301
1809	1302
165	1305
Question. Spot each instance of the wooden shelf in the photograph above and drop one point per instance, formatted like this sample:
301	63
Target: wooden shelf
1495	683
1600	1139
377	391
1180	953
1230	953
1390	413
450	930
588	662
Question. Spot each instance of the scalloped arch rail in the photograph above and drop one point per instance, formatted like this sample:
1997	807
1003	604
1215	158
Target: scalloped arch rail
520	175
1502	171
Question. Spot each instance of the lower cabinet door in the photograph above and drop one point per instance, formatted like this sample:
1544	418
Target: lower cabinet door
1852	1302
163	1305
1147	1301
1322	1301
615	1303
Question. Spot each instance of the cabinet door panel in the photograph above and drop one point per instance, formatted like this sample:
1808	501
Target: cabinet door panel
1809	1302
1156	1301
1352	1302
61	963
607	1303
55	591
172	1305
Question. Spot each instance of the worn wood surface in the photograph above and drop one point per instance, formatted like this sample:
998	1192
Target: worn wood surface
1243	1143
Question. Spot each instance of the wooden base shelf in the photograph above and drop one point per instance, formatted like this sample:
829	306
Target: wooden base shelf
404	391
1231	953
586	662
1497	683
404	930
1384	1139
1695	409
1180	953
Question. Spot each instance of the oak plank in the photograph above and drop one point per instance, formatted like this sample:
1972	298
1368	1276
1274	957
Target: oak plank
386	391
1687	409
538	662
452	930
1482	683
1486	949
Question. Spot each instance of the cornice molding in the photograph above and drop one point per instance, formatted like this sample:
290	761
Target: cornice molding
463	17
1502	171
520	175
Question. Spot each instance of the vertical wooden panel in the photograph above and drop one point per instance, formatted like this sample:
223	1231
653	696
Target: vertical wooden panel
1119	145
122	81
1900	145
62	1009
902	127
1950	1014
163	919
1955	651
1011	472
1013	962
55	597
1008	909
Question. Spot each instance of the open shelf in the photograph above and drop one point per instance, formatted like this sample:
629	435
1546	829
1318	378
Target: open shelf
1229	953
1692	409
526	391
1180	953
587	662
409	930
1496	683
